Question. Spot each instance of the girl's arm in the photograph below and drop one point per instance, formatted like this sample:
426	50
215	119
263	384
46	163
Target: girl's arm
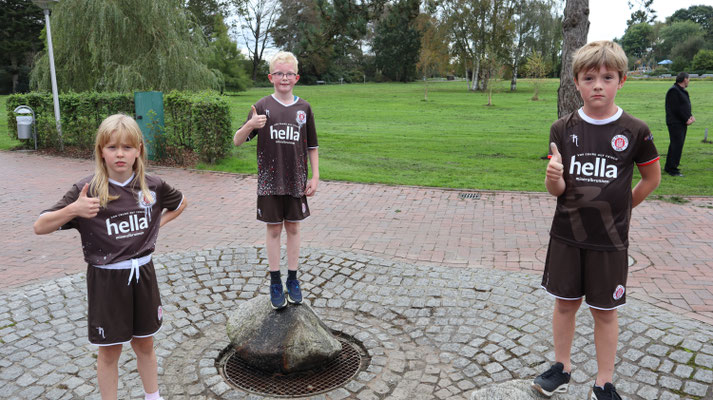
85	207
650	179
168	216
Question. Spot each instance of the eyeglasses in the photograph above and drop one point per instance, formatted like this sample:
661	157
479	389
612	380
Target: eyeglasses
288	75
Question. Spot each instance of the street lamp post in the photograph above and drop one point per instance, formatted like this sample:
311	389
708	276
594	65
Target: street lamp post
46	6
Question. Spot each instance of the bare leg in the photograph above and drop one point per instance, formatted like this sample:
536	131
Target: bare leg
563	324
108	371
272	242
293	245
606	336
146	363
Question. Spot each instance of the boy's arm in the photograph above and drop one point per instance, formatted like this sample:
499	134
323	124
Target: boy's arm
311	188
554	180
84	206
255	122
169	216
650	179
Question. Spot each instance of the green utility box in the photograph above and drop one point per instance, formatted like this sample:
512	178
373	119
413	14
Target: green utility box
148	107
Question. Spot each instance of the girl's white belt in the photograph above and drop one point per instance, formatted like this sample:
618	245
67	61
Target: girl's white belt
132	264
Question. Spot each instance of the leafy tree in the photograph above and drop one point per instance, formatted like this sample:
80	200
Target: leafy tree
536	68
702	15
21	23
643	15
257	19
397	41
703	60
689	48
227	59
325	35
206	12
638	40
676	34
481	33
123	46
575	27
433	58
537	29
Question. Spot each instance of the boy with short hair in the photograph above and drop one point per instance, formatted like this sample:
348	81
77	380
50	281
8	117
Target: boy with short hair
593	151
287	138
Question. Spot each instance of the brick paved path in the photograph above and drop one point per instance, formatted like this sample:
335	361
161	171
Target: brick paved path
672	245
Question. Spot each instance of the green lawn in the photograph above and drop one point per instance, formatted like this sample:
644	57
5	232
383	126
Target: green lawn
386	133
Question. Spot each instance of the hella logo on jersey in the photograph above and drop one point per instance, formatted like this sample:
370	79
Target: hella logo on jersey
619	143
133	224
290	133
598	168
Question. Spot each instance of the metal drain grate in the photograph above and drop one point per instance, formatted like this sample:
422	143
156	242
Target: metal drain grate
333	375
469	195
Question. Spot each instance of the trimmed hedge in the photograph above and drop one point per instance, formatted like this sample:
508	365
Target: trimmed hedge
196	121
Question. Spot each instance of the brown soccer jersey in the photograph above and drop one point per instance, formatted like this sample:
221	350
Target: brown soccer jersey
128	226
598	157
282	146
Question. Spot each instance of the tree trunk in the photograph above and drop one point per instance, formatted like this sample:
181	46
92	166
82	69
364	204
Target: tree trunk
256	59
575	27
513	81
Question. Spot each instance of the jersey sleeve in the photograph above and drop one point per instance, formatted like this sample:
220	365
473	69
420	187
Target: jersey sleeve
646	152
170	197
70	197
311	131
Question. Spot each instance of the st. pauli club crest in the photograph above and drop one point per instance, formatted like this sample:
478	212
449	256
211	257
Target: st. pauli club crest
301	118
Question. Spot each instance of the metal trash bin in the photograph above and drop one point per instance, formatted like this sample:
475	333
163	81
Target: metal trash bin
24	126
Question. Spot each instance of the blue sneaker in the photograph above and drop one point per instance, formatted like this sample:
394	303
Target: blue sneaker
277	296
294	294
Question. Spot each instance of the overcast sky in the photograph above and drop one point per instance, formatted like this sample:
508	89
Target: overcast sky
607	18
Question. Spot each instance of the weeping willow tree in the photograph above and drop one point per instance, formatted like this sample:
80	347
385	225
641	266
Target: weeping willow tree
125	45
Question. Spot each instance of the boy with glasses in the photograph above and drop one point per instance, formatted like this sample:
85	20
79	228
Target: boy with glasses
287	139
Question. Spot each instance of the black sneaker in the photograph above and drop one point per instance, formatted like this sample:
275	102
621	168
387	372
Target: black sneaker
552	381
277	296
608	393
294	294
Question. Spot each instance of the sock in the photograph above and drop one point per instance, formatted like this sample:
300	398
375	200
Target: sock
275	277
292	275
152	396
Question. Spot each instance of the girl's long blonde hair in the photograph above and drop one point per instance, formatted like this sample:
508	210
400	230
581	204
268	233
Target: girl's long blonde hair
128	132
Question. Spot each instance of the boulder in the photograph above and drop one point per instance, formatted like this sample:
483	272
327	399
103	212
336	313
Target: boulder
290	340
513	390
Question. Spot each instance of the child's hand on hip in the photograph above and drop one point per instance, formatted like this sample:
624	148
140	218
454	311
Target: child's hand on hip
555	167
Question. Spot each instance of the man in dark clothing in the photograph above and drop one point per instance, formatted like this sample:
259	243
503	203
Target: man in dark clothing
678	117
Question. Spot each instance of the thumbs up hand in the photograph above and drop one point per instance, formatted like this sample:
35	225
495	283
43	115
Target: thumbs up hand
257	121
555	167
84	206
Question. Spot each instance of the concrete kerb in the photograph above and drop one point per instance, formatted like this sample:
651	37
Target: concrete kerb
432	331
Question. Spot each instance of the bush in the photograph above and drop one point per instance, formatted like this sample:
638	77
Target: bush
193	121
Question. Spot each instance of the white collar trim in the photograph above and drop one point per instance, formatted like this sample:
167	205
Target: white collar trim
294	101
593	121
124	183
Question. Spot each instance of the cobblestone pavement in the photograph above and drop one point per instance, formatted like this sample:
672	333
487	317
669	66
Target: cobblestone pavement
671	245
433	332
